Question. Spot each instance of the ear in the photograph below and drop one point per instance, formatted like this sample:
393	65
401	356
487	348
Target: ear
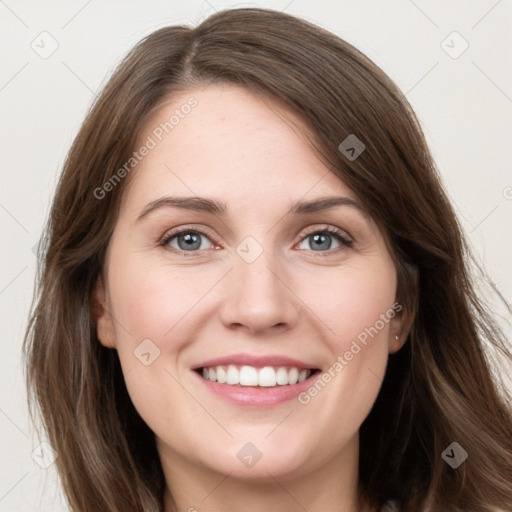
102	316
399	327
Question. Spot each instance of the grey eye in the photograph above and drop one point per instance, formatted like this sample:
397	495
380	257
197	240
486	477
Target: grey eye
319	241
187	241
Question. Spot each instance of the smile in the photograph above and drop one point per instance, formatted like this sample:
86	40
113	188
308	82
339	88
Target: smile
267	376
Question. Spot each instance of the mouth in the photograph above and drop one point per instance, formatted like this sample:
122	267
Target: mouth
244	376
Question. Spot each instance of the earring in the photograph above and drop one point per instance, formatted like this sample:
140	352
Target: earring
396	338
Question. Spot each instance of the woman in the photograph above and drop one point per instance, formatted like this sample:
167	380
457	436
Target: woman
255	294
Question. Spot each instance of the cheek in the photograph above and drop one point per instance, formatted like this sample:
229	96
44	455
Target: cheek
350	300
150	301
153	307
356	317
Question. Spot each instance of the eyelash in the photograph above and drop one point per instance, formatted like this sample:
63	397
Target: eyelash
335	232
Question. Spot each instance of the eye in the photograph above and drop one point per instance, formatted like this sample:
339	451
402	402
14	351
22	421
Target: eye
187	240
320	240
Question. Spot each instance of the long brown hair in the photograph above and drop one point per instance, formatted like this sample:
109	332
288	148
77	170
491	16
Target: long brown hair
439	388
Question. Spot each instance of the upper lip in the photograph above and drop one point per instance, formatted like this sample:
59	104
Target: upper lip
254	360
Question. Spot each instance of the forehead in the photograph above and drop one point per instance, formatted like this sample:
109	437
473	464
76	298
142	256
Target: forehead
230	137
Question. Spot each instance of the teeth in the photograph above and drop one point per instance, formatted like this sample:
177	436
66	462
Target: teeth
232	376
267	377
221	375
251	376
303	375
282	376
248	376
293	376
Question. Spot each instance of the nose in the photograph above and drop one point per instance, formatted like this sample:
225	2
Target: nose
258	297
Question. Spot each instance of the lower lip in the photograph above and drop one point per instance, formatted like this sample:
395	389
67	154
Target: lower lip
252	396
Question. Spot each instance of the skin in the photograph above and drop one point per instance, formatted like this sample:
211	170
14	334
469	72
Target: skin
292	300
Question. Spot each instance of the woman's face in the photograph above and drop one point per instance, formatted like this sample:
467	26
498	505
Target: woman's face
262	276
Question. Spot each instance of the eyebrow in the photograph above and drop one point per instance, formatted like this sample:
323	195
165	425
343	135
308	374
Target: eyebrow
202	204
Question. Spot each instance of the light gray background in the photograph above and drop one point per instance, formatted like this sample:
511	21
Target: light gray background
464	104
